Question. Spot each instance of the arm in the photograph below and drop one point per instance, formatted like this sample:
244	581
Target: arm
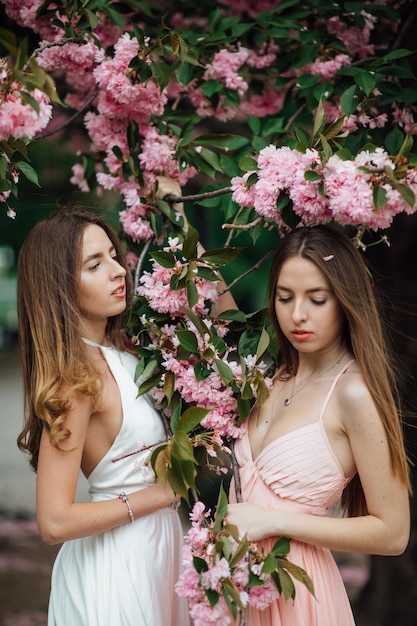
59	517
385	530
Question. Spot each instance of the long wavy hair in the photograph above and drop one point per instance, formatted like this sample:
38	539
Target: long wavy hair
342	264
53	354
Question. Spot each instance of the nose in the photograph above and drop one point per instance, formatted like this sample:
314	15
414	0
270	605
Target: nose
299	313
117	269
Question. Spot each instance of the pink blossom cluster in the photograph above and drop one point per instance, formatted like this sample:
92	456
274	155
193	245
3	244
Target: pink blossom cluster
327	68
18	118
340	190
203	542
371	119
212	392
122	98
23	12
155	285
356	40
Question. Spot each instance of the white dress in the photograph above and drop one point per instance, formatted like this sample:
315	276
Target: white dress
125	576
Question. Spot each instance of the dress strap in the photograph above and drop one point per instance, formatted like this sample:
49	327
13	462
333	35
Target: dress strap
334	383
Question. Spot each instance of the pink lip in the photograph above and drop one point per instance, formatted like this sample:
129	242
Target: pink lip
121	294
301	334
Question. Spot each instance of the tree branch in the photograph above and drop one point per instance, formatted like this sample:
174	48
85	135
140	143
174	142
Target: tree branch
197	196
249	271
86	104
141	261
243	226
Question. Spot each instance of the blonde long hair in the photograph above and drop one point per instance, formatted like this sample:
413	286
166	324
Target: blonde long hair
53	354
342	264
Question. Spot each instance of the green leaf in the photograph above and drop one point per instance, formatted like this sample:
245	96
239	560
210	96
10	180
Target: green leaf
201	327
391	56
161	73
189	248
319	119
311	175
150	383
212	596
379	196
233	315
349	100
221	509
287	585
281	547
407	195
192	294
248	164
211	87
270	564
207	274
165	259
224	370
191	418
200	565
188	340
169	385
300	574
240	551
181	477
181	446
220	256
28	171
406	145
264	341
211	158
203	370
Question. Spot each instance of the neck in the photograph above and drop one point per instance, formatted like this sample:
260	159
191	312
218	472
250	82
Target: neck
313	364
95	334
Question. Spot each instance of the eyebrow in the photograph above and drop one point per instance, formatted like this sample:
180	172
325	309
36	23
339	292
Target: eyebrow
313	290
97	255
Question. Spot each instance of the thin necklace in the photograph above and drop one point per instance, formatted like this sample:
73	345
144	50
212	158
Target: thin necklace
288	400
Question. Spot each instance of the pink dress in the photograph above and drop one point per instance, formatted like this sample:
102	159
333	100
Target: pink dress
299	472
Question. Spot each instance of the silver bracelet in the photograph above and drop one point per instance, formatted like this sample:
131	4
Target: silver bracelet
123	496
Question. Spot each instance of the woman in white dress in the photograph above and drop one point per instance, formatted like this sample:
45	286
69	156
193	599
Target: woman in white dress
122	550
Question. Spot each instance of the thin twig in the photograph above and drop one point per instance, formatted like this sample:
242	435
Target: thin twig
141	261
249	271
171	199
86	104
243	226
236	475
55	44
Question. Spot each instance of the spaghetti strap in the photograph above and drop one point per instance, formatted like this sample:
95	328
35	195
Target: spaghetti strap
334	383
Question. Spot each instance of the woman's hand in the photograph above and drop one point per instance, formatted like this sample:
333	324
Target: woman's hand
257	522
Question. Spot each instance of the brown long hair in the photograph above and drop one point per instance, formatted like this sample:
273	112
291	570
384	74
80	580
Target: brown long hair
53	354
332	251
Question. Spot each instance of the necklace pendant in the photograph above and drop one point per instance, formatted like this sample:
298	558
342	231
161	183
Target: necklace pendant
287	401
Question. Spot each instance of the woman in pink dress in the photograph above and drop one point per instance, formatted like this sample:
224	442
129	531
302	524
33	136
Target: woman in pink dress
329	431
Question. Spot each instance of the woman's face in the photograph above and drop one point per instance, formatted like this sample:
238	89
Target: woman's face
102	285
306	308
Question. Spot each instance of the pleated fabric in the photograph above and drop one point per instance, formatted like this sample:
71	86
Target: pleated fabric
299	472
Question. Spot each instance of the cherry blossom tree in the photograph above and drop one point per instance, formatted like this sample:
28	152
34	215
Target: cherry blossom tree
272	114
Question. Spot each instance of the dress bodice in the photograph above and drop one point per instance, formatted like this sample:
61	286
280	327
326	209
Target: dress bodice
126	465
300	468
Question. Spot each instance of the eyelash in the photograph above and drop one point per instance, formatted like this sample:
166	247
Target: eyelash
316	302
116	258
